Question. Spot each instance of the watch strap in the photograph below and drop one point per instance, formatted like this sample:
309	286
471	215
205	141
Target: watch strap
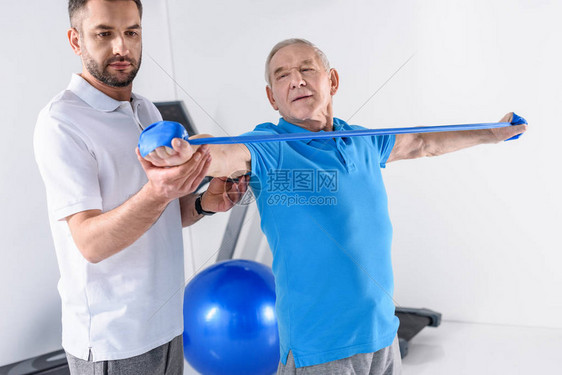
199	208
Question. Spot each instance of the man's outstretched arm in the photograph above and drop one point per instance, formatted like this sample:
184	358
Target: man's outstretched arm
227	160
411	146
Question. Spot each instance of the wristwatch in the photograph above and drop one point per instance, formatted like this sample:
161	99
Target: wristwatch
200	209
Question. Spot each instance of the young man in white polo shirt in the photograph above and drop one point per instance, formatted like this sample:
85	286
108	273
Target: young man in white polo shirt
116	219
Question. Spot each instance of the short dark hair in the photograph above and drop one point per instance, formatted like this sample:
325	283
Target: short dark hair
75	6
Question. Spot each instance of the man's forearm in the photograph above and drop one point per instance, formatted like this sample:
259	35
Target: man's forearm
435	144
101	235
189	215
230	160
442	143
411	146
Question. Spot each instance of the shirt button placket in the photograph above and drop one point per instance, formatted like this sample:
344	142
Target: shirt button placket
341	153
136	116
349	164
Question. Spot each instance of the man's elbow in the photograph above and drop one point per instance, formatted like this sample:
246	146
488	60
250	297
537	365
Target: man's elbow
426	148
417	147
431	151
93	260
85	241
90	254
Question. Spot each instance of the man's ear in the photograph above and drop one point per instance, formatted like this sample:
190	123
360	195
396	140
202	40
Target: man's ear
269	93
334	81
74	40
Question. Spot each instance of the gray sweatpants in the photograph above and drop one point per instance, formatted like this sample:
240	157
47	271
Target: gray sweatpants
166	359
386	361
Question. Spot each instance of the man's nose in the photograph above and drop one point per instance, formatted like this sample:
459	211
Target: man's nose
297	79
120	46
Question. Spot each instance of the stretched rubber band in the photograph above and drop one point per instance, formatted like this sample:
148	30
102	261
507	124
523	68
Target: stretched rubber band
343	133
161	134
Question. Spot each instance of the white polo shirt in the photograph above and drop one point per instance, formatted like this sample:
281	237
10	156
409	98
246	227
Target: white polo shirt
132	301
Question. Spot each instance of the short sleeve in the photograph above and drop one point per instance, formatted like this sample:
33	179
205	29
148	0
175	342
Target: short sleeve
384	143
68	167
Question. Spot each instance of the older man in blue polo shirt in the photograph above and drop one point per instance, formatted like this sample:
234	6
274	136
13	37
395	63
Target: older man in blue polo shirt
324	211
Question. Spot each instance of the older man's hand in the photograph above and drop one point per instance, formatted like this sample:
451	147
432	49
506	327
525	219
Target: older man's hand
182	152
501	134
224	193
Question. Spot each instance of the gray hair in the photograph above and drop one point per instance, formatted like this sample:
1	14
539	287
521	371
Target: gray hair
290	42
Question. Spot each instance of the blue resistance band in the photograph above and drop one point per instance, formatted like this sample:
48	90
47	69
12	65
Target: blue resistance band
161	134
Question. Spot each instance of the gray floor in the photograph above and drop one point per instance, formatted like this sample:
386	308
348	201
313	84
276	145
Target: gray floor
461	348
465	348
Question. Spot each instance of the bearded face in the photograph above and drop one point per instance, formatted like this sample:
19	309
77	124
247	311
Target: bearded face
116	71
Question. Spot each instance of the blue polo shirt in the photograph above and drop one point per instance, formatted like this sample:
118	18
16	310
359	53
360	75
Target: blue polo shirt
323	209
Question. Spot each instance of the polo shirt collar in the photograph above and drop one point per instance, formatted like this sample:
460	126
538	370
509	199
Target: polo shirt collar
292	128
92	96
339	124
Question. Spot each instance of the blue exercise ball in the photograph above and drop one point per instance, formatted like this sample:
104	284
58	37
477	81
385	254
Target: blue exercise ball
230	327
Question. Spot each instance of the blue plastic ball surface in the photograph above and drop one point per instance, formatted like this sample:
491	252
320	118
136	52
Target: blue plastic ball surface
230	327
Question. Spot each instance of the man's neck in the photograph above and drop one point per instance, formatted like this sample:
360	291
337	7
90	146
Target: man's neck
326	124
117	93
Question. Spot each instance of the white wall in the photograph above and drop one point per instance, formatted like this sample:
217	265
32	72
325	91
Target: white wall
475	232
35	65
